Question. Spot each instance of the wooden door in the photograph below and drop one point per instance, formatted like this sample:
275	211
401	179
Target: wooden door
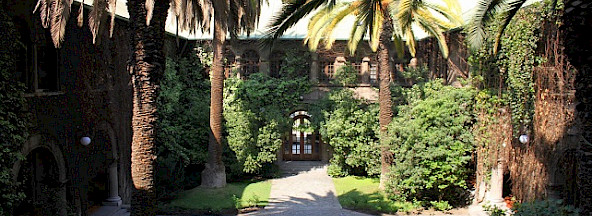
302	144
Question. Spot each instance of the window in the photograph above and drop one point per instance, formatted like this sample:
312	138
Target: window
328	69
249	63
37	65
276	62
373	74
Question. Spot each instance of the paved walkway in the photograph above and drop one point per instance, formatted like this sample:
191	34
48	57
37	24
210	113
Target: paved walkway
306	189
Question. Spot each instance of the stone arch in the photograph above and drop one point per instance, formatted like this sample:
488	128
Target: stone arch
39	141
106	127
49	192
112	170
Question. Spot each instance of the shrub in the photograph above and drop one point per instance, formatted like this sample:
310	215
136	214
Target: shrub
544	208
431	142
350	126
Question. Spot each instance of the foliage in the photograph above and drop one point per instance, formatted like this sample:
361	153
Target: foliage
13	117
441	205
235	195
517	58
182	124
295	65
493	210
544	208
255	113
362	193
431	142
346	75
350	126
417	74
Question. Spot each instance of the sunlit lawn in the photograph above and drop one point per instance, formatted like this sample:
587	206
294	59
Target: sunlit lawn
361	193
250	194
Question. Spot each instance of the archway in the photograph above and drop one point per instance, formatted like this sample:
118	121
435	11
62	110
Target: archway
103	179
303	143
43	177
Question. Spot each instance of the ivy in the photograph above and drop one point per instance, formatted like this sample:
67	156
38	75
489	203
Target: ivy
13	115
517	59
255	114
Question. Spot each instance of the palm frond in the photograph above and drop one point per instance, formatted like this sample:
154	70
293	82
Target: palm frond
483	15
112	5
329	39
426	25
59	19
291	13
80	20
512	8
149	5
356	35
95	17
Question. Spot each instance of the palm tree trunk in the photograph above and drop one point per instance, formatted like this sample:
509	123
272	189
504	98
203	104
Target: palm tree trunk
147	68
384	97
214	175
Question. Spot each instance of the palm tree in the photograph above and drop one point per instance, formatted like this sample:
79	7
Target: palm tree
384	21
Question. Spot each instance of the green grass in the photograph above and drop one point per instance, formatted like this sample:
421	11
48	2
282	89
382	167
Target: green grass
249	194
362	193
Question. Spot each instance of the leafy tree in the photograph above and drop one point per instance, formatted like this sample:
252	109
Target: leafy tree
182	127
431	139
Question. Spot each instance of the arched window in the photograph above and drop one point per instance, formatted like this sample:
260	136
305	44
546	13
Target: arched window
249	63
276	62
304	142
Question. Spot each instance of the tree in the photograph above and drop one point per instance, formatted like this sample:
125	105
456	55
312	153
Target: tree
384	21
235	17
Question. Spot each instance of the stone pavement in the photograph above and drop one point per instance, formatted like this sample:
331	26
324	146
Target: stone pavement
305	189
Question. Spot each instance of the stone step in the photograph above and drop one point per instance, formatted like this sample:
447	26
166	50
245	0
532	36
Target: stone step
294	167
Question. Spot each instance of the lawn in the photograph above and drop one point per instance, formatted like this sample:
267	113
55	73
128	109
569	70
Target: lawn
236	195
361	193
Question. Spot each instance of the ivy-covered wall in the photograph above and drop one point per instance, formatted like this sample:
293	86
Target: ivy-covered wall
13	121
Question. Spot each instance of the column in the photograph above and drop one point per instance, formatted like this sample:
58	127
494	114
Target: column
494	196
314	68
114	199
264	64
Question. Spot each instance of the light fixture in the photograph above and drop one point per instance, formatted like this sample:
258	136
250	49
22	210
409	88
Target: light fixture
85	141
523	138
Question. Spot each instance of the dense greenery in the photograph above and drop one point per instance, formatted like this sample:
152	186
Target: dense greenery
13	130
517	59
255	113
431	143
350	126
346	75
182	125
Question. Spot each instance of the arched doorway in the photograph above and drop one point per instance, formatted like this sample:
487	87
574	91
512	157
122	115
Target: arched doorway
43	178
303	143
